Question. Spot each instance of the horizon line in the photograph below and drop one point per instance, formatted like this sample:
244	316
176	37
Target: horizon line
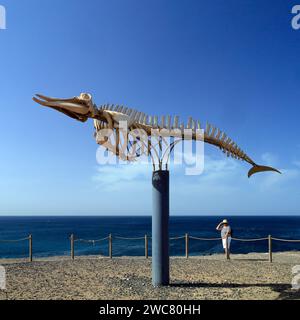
148	215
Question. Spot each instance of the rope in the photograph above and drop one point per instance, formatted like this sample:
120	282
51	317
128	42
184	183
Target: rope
124	238
18	240
285	240
205	239
90	241
248	240
176	238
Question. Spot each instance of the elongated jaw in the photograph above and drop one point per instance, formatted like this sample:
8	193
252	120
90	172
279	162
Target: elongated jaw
77	108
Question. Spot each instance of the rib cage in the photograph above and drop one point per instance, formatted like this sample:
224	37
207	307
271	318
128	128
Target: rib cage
212	135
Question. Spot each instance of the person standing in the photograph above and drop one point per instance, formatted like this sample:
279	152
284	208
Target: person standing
226	233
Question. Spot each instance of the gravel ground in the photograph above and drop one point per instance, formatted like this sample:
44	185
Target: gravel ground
210	277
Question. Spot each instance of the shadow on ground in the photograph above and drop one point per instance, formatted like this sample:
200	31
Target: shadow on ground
285	291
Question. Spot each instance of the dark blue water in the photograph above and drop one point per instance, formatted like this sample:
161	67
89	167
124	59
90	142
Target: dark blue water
51	234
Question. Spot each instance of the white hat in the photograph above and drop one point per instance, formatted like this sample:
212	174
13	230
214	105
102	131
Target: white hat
225	221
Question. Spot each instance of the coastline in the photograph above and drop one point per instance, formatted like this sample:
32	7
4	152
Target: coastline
282	256
245	276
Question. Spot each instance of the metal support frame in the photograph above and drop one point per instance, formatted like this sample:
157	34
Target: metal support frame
160	228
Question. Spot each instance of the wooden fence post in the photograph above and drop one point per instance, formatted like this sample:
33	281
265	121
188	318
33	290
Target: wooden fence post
227	251
146	246
270	248
110	246
72	246
186	245
30	247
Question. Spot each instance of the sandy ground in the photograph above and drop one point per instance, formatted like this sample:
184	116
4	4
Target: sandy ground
248	276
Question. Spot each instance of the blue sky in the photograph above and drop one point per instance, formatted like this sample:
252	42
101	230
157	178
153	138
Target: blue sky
233	63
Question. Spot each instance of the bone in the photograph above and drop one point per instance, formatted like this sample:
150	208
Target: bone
141	118
218	134
194	125
224	136
50	99
198	125
97	125
241	152
189	123
82	107
168	124
176	121
227	143
73	107
137	116
231	148
213	132
163	123
144	120
207	130
132	116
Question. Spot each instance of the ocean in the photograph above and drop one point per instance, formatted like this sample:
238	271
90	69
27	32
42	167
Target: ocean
51	234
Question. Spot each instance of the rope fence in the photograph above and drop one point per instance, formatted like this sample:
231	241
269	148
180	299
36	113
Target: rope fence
285	240
18	240
205	239
250	240
87	241
177	238
29	239
146	238
124	238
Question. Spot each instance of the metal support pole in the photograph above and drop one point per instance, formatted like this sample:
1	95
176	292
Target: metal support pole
160	228
72	246
110	246
30	247
270	248
146	246
186	245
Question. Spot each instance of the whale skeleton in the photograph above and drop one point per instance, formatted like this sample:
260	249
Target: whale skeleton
110	117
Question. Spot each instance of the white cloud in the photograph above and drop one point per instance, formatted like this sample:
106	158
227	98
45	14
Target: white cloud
123	172
269	159
296	163
278	181
223	187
